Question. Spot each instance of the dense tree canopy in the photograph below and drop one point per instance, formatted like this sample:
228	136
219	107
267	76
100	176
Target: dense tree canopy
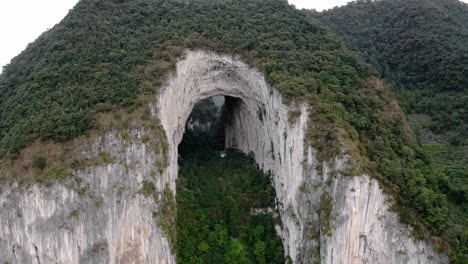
216	196
215	200
418	44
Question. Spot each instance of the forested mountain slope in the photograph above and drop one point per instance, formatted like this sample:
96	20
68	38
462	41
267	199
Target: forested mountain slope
107	55
419	43
419	46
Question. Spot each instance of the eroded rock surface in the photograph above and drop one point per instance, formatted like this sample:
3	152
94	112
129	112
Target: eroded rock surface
95	216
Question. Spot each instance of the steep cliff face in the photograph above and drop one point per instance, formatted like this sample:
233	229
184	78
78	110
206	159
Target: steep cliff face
325	217
97	215
365	231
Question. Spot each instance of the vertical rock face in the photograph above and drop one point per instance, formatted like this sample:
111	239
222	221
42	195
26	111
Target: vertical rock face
325	217
95	216
365	231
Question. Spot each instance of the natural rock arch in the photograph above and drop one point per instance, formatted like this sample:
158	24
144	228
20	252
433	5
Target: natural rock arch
36	222
259	124
361	227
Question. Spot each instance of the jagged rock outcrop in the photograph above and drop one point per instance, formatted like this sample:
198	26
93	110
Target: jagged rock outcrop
326	217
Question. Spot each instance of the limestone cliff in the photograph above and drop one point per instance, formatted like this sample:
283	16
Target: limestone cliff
326	217
95	216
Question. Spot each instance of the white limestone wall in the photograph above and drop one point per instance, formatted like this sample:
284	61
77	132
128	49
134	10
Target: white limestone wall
109	222
366	231
278	147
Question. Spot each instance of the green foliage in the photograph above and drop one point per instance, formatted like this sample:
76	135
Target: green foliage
56	172
81	191
74	214
326	206
447	112
102	54
107	52
39	162
205	126
148	188
451	171
106	157
167	215
216	198
102	159
97	248
419	44
293	115
146	138
98	202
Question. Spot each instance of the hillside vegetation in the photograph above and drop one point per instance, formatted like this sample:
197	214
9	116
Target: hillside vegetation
216	202
107	53
421	46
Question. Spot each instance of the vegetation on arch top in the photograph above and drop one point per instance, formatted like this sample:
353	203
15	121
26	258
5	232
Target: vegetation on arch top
105	53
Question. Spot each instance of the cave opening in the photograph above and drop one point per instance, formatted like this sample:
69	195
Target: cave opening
258	124
205	125
225	202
